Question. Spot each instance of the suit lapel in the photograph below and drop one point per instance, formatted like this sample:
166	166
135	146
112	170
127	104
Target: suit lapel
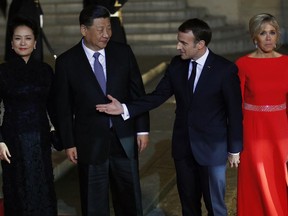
109	67
113	67
86	68
184	78
204	78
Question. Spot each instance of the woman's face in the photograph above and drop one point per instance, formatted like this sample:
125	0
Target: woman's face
23	42
267	38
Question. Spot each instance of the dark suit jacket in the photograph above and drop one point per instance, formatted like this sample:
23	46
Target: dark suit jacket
78	92
210	123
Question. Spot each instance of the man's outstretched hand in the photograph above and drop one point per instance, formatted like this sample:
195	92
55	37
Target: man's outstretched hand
113	108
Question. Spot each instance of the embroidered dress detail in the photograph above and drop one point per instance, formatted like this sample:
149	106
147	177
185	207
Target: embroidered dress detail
265	108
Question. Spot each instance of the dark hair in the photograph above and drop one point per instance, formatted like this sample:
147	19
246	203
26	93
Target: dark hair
200	29
22	21
88	14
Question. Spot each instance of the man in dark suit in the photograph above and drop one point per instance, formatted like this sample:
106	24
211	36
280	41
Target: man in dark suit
104	147
208	122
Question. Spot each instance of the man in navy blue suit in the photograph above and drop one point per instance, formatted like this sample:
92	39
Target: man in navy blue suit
208	122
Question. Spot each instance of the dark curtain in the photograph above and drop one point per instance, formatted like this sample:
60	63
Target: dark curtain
3	6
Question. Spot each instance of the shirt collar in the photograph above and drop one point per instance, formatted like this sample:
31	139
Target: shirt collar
89	52
203	58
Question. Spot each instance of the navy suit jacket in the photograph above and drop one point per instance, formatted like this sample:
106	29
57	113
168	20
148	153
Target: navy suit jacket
78	92
209	124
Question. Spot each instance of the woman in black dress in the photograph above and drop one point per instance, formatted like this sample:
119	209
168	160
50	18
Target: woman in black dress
25	148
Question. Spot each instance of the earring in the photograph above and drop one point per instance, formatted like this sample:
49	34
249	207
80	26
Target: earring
256	46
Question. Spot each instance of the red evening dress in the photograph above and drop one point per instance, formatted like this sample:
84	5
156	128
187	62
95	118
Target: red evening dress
262	177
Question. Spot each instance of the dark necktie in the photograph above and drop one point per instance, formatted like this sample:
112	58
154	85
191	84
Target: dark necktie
192	76
99	72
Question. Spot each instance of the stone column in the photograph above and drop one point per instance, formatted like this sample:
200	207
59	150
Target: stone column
284	21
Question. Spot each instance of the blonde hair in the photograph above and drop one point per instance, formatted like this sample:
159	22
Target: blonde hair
256	25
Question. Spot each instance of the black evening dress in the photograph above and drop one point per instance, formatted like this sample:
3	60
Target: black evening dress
28	186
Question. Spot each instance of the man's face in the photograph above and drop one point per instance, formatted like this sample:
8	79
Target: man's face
97	36
187	46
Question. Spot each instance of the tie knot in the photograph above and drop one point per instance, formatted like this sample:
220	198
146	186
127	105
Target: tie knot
96	55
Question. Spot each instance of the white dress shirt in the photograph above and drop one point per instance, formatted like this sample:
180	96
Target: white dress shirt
200	63
89	53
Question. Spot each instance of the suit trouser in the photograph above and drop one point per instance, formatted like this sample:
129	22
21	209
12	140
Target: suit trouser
118	173
195	181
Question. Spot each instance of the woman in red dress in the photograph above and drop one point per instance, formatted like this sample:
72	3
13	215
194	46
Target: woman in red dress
262	178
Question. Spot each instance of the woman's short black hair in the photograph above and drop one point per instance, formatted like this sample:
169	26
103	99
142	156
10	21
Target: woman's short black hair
22	21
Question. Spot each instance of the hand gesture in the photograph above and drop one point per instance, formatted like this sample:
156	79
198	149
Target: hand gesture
142	142
72	154
4	152
113	108
234	159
